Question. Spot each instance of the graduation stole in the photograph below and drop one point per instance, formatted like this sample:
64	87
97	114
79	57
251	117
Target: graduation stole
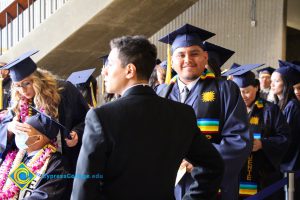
37	165
249	184
208	117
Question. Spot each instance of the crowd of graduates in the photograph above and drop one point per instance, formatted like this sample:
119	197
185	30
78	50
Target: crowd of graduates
252	119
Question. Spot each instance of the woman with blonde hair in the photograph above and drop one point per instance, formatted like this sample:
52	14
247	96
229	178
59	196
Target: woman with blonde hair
34	87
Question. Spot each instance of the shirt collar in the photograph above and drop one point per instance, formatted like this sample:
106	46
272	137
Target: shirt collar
143	84
181	85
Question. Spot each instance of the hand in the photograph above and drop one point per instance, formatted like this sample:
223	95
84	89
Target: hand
257	145
189	166
14	126
72	142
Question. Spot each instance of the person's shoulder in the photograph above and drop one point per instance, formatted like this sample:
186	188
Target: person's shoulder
160	88
270	105
293	104
227	83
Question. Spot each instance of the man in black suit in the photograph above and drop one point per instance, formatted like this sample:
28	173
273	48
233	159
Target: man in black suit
138	141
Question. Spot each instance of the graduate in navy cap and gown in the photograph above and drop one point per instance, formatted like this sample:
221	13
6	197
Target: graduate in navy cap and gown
283	80
271	136
220	110
264	77
86	84
33	86
37	151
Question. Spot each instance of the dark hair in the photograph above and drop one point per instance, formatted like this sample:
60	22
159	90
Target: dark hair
257	84
287	93
153	78
138	51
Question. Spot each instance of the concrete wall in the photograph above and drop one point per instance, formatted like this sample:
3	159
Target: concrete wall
231	21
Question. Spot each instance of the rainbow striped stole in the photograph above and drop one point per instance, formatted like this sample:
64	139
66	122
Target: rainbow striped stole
248	188
208	125
206	74
257	136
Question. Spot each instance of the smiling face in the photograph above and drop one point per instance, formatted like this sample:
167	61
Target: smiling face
189	62
25	87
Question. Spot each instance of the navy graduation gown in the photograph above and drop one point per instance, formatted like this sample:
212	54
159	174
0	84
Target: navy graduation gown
235	144
291	159
262	168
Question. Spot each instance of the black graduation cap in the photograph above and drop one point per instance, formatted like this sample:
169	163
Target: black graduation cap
50	124
80	77
21	67
242	75
268	70
290	71
218	53
186	36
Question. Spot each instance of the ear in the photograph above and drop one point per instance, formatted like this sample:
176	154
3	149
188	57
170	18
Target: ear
130	71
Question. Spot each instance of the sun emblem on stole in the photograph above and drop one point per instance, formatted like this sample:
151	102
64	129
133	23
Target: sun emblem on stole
208	96
254	120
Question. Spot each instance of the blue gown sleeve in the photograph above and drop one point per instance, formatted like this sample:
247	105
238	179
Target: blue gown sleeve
3	130
236	143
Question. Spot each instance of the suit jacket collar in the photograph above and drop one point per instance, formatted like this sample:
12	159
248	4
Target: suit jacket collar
139	90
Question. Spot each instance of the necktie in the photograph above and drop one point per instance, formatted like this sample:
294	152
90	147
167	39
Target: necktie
184	94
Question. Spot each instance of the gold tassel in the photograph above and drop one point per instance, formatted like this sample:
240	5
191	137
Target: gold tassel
93	95
1	93
169	67
102	81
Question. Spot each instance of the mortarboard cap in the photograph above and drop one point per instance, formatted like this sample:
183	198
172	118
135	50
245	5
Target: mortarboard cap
21	67
164	65
47	125
268	70
242	75
218	53
234	66
80	77
186	36
241	69
44	125
290	71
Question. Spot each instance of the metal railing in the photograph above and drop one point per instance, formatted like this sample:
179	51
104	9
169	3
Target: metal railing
24	19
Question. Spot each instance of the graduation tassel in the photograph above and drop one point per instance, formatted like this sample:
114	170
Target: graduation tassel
102	85
1	93
169	67
93	95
